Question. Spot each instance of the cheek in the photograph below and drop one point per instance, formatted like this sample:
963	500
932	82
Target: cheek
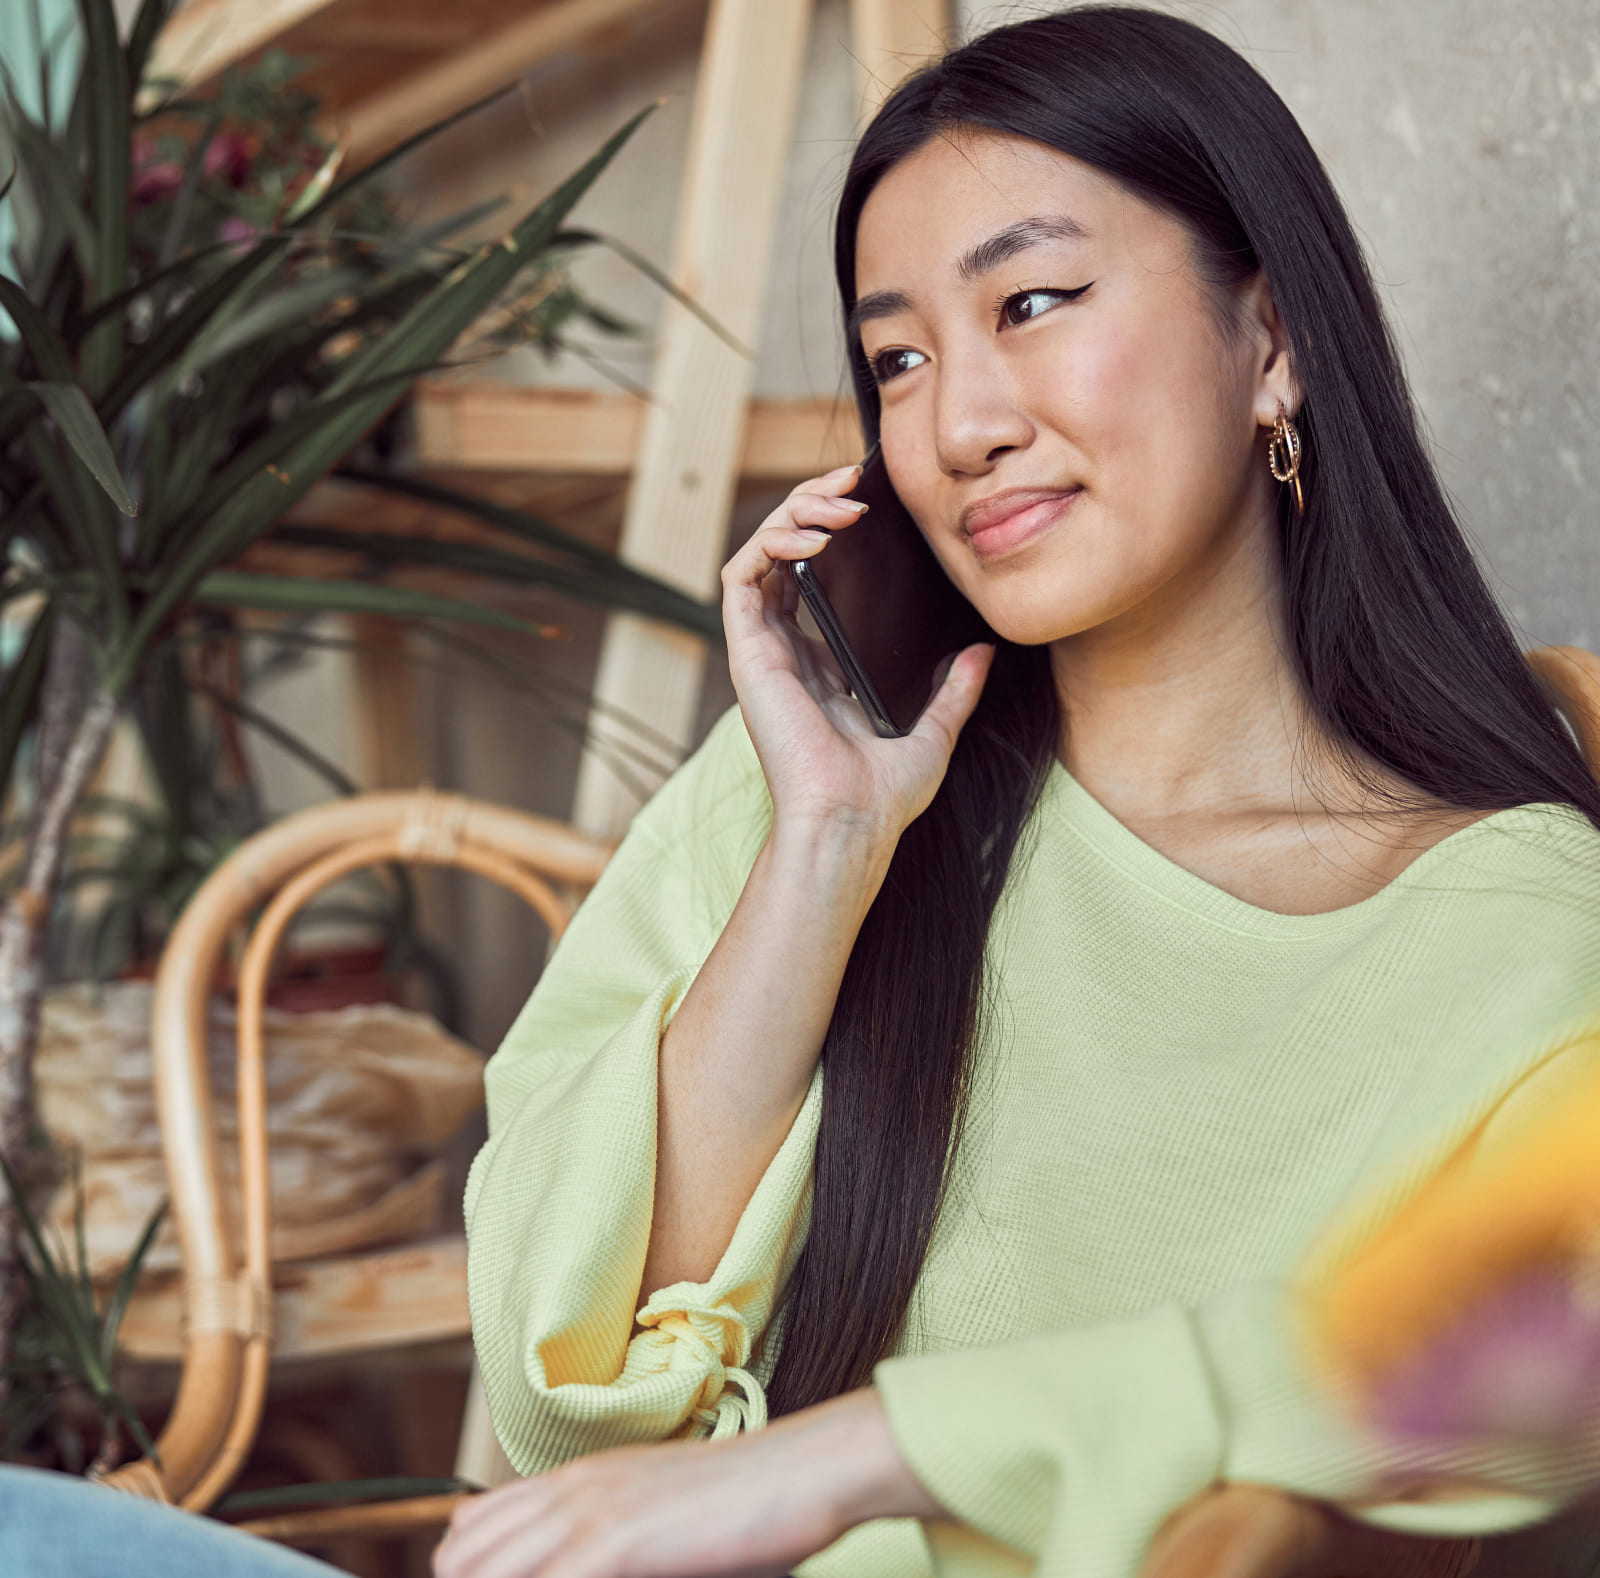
1154	421
1146	407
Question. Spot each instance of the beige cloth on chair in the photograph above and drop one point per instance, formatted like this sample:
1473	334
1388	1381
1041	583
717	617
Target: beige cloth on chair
359	1102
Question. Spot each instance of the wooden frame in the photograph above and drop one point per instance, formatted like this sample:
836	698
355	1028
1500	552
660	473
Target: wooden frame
484	426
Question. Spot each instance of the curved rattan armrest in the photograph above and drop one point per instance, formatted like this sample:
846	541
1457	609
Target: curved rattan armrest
1570	677
228	1308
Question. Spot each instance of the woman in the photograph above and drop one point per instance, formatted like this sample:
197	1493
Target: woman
970	1099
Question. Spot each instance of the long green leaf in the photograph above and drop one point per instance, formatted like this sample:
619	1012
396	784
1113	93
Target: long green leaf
391	1489
239	589
466	292
55	186
48	349
617	587
175	271
147	24
194	168
111	1326
155	357
423	335
81	428
519	524
272	447
370	172
56	472
579	237
286	739
22	687
291	305
56	1289
106	71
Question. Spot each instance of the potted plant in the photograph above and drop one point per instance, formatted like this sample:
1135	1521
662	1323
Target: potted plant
163	404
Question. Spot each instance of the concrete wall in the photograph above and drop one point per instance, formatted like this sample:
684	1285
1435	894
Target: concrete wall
1463	135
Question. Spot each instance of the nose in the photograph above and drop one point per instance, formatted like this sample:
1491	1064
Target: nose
977	416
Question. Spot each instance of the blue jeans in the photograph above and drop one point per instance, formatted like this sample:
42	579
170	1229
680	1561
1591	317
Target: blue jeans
57	1526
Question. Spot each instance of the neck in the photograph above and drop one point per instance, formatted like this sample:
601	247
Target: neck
1189	701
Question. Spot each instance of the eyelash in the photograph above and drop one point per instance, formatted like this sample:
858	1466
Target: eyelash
1000	304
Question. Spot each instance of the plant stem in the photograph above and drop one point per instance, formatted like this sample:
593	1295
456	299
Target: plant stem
75	728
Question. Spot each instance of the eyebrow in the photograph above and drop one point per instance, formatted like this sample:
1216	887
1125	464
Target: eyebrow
972	265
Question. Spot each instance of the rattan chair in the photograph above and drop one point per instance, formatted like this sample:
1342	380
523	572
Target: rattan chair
222	1324
1570	677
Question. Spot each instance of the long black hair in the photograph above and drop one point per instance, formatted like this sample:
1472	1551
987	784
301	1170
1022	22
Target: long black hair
1405	658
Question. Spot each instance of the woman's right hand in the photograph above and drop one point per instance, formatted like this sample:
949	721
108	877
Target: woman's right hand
822	759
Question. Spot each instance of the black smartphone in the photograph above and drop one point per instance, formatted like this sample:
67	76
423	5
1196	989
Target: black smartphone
885	606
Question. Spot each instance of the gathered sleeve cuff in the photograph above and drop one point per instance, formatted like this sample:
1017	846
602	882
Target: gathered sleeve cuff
560	1198
569	1366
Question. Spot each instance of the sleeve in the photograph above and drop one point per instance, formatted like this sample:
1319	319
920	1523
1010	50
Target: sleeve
559	1199
1072	1447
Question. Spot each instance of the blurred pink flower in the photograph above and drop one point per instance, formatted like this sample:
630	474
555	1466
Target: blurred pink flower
1522	1364
237	232
230	156
154	178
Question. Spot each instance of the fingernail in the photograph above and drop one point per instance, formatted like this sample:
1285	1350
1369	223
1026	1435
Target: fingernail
839	471
818	531
854	504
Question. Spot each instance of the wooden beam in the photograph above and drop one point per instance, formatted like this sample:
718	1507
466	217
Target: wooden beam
677	517
385	1299
891	38
208	35
506	427
375	124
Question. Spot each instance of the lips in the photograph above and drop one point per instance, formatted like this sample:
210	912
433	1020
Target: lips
999	525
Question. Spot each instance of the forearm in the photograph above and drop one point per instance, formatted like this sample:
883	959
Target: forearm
739	1054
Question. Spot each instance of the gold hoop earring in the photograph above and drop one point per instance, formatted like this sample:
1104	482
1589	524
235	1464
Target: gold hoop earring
1283	455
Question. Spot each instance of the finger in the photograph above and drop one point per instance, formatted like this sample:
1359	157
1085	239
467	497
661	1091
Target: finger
952	703
840	480
1345	1546
523	1514
825	510
769	549
1234	1531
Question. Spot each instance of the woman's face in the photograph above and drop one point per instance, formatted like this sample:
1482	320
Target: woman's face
1037	329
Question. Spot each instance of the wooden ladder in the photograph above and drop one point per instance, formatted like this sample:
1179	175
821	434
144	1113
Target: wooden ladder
681	491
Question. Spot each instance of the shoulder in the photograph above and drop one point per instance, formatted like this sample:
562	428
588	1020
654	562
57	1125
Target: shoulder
694	841
1539	863
718	796
1509	949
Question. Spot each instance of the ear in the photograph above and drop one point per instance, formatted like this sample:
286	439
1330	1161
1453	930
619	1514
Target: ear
1273	371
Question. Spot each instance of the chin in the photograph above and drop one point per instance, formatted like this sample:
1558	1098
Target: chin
1033	620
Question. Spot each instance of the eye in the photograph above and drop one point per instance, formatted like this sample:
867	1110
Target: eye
1040	293
1039	300
883	368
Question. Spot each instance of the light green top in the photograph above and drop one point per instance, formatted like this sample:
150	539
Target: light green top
1176	1092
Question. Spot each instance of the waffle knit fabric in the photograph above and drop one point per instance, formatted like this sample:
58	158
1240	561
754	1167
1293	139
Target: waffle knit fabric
1174	1092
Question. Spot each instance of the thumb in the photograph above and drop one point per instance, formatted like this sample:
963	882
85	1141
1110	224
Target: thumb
1344	1545
957	695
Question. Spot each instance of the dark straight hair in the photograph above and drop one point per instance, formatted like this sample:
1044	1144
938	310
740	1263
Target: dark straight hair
1405	658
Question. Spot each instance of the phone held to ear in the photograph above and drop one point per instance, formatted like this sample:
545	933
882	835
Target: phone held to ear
886	608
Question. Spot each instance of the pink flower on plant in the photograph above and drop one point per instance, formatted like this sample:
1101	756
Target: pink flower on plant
237	232
230	155
154	178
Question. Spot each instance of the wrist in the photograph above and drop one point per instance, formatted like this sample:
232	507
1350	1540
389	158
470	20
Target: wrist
868	1475
844	846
